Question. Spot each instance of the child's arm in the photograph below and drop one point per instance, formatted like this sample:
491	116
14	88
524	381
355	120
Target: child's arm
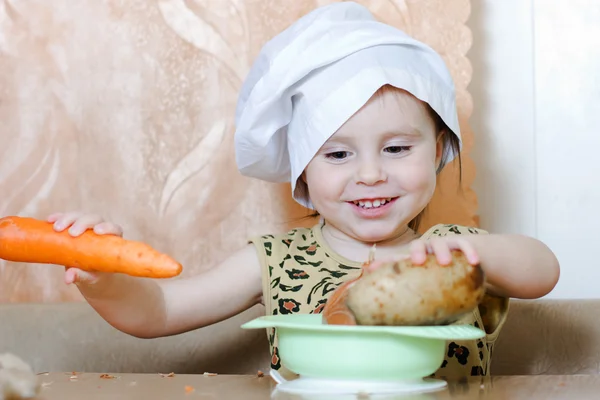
515	265
151	308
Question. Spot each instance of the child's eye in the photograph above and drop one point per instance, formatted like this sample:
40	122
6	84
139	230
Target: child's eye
397	149
337	155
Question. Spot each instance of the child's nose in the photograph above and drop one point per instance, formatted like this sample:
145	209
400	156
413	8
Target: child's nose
370	172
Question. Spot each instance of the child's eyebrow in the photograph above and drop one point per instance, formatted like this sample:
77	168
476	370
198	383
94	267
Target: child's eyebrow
410	132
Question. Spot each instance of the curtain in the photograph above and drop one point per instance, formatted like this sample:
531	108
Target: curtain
126	109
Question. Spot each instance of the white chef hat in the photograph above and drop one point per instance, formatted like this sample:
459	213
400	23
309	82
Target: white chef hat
311	78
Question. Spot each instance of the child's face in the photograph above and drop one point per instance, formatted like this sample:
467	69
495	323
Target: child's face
377	172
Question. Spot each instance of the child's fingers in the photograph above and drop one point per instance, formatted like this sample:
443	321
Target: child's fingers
418	251
108	228
70	275
78	222
469	252
441	249
64	220
54	217
75	275
84	223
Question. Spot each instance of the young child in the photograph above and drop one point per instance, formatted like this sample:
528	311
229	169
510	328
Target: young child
360	118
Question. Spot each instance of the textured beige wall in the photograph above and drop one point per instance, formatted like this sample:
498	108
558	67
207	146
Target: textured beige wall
126	109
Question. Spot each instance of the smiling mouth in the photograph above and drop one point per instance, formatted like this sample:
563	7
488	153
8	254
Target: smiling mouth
374	203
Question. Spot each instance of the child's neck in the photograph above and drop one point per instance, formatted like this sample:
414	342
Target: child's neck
356	250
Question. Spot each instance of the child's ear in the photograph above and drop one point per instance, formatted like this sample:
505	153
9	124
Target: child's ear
303	176
439	148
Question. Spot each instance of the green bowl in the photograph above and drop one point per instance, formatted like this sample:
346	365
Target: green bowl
312	349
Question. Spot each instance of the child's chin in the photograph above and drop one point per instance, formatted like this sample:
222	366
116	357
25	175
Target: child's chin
374	235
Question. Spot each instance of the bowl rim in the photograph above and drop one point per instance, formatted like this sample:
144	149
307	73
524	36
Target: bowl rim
286	321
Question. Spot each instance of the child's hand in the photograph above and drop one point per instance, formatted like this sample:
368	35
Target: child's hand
442	247
77	223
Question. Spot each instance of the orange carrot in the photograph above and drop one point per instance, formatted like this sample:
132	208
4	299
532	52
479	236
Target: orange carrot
30	240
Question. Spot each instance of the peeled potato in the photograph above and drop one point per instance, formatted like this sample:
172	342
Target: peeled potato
402	293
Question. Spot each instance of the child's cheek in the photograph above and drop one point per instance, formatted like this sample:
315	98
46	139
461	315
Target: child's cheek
418	175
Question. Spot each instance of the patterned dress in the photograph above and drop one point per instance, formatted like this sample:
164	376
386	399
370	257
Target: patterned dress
300	271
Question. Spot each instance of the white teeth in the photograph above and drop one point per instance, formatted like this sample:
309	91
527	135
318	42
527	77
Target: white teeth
372	204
